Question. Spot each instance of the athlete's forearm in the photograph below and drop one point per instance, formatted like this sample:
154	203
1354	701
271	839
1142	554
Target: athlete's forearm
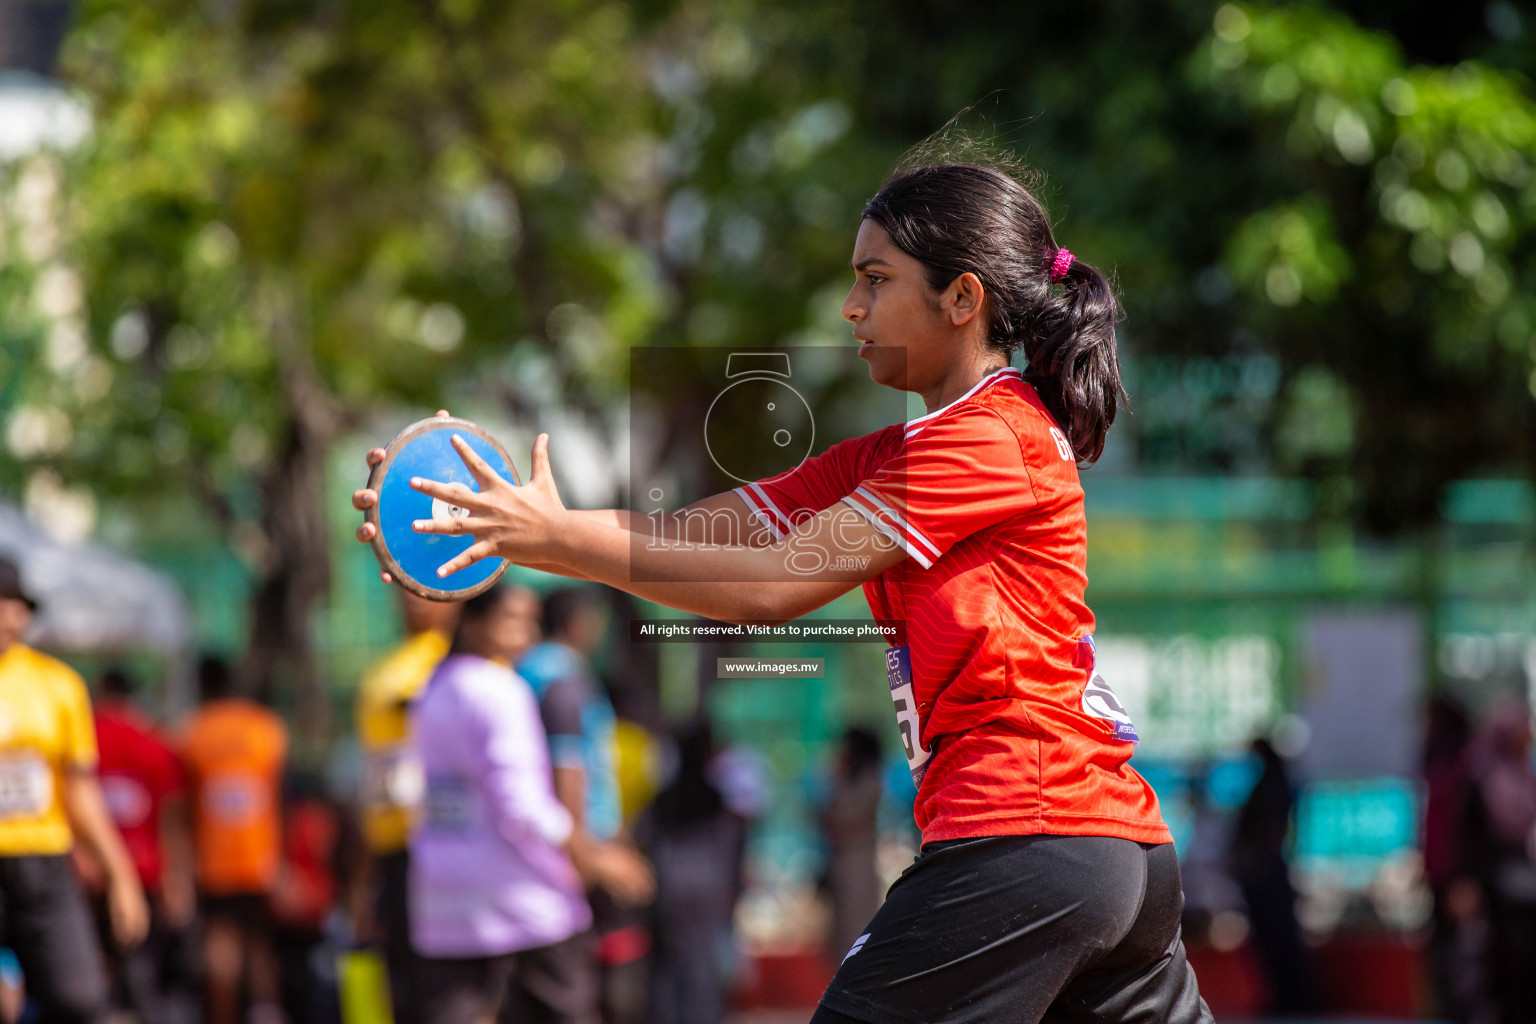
671	527
92	826
177	888
619	518
719	519
729	583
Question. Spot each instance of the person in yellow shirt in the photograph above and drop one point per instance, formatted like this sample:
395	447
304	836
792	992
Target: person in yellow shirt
234	750
392	787
49	798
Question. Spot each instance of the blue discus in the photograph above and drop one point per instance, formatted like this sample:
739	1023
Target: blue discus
426	450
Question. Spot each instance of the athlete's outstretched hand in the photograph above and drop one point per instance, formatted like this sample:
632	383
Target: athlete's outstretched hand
519	524
366	498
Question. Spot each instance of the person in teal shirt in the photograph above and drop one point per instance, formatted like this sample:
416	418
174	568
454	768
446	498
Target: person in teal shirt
580	723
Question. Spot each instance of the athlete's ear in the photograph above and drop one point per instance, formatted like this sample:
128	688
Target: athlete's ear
964	298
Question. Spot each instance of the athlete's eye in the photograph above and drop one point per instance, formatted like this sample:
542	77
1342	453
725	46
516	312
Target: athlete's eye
874	278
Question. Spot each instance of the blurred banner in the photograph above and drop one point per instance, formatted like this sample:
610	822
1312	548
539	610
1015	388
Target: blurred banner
1363	681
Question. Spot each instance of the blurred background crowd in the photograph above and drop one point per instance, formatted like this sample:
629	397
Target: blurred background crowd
242	241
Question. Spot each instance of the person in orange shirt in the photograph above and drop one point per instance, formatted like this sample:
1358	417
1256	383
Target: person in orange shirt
49	798
234	751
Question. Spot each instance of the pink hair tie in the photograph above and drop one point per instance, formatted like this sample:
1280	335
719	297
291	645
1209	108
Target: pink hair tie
1061	264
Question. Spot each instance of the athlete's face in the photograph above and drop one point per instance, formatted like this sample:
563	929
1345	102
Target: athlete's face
519	623
507	630
895	319
15	617
906	332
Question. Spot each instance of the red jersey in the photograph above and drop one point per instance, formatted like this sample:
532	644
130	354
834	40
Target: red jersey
138	773
1021	735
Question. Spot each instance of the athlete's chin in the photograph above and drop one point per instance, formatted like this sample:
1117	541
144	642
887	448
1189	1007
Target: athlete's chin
885	368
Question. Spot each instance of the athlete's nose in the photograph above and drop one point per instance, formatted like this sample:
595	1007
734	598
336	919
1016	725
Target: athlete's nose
853	310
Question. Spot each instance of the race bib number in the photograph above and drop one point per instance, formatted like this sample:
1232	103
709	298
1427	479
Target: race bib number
233	799
127	800
898	672
451	804
1100	701
393	780
26	787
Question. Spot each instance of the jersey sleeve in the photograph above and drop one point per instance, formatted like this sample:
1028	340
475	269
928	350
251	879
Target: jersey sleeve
561	710
951	478
516	773
783	502
79	727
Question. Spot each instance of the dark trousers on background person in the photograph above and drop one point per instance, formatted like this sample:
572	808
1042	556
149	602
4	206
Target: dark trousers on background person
1511	959
555	984
45	921
622	949
151	980
1266	886
402	962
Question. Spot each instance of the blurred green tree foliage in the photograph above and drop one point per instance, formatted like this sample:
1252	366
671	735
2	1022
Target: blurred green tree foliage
1404	257
289	215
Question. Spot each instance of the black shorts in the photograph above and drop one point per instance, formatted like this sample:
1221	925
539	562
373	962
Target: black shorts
555	984
44	919
1019	929
393	910
249	911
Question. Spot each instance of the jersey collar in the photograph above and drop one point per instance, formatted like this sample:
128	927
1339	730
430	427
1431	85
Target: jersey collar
915	426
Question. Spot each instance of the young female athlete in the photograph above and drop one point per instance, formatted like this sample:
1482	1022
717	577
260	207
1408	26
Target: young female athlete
1047	887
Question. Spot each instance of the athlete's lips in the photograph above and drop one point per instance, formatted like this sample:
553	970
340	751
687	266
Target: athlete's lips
865	344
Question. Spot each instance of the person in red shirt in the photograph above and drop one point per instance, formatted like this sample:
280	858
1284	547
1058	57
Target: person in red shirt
144	788
1047	885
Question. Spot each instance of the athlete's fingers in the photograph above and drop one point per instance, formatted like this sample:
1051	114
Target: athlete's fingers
453	494
364	499
386	577
478	467
540	468
365	532
469	556
374	456
453	527
442	412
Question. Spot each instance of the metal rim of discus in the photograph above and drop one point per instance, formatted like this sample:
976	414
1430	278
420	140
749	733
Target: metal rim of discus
371	515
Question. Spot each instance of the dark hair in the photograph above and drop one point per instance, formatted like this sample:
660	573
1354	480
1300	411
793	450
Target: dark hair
116	682
478	609
563	605
692	795
958	218
863	749
215	681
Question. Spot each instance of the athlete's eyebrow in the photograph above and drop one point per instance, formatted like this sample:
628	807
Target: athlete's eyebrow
864	265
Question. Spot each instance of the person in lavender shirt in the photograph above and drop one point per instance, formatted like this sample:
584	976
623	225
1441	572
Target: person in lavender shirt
497	910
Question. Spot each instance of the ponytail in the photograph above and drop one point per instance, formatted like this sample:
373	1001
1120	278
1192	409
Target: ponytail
1071	359
958	218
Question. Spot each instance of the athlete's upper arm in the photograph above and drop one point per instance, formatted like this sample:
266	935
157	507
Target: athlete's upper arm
953	478
783	502
79	728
